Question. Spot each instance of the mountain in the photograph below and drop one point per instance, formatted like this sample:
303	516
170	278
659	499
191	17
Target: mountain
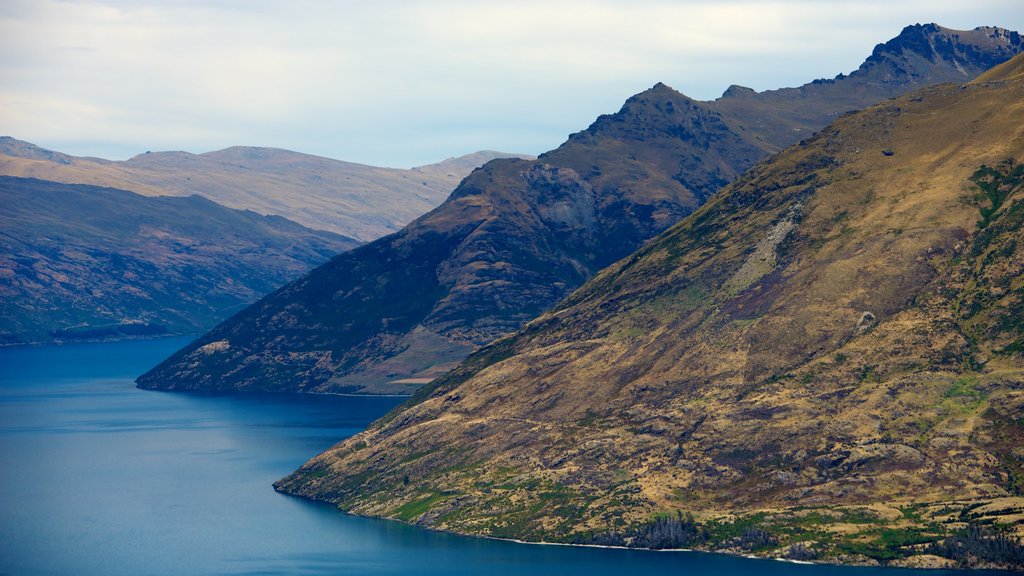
826	360
514	238
922	55
518	236
79	262
362	202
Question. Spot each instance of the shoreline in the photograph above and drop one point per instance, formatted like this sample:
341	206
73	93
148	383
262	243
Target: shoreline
232	391
723	552
73	342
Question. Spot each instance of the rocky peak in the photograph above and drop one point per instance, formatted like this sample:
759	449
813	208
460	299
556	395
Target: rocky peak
658	112
967	51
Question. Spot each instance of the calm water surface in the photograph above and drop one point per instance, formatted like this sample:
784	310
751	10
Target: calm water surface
100	478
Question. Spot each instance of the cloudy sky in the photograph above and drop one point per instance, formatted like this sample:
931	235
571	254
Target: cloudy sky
407	82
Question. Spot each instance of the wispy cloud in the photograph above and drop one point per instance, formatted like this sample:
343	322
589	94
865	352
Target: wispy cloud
403	83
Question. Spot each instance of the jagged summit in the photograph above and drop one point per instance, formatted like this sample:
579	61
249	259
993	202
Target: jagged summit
737	91
921	55
919	47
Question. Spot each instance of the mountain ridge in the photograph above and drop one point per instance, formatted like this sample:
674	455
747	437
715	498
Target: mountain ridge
356	200
920	55
540	229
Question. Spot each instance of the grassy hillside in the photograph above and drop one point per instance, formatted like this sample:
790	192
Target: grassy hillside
826	360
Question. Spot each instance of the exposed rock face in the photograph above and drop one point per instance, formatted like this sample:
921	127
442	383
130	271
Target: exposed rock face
830	347
517	236
82	262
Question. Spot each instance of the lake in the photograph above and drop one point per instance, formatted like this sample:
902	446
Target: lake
100	478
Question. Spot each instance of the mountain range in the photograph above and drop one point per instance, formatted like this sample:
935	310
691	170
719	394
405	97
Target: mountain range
83	262
824	361
354	200
90	260
517	236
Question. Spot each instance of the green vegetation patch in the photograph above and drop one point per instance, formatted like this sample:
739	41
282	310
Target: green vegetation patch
887	543
962	397
995	184
416	508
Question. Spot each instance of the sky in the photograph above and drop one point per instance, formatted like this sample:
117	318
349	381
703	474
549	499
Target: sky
405	83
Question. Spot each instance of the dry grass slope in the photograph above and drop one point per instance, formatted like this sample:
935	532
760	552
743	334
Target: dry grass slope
825	360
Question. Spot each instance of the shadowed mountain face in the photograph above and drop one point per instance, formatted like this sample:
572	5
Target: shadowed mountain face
80	262
830	351
514	238
363	202
517	236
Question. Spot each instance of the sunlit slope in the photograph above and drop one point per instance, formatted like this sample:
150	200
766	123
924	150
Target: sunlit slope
838	331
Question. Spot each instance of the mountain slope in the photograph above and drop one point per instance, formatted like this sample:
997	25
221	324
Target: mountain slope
516	237
83	262
363	202
826	359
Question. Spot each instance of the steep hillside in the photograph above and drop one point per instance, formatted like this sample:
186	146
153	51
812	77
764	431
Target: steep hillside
513	239
81	262
825	361
516	237
363	202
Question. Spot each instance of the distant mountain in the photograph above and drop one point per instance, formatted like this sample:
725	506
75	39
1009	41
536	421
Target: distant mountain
82	262
518	236
825	361
363	202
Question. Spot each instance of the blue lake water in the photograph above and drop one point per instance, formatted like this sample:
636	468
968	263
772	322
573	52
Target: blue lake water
100	478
